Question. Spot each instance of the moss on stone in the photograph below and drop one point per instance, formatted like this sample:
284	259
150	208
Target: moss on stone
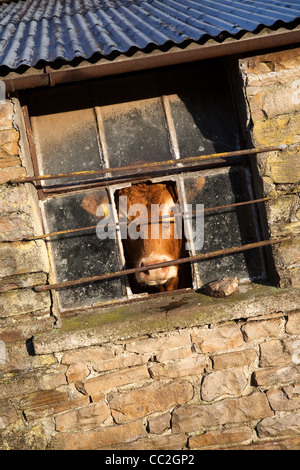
163	313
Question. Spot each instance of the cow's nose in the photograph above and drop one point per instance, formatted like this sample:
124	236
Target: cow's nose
154	276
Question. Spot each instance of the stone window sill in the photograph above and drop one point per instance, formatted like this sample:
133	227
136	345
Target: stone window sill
165	313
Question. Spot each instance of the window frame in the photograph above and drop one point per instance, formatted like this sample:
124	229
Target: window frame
156	176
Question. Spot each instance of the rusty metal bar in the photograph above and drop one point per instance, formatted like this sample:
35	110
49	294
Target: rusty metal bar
162	218
166	264
236	153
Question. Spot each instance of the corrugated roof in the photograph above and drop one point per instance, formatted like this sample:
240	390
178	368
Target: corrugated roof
34	30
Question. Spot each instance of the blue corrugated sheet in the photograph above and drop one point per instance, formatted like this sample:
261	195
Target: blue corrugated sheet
34	30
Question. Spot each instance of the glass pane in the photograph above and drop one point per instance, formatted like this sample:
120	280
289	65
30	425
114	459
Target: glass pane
78	255
203	115
65	135
135	132
225	228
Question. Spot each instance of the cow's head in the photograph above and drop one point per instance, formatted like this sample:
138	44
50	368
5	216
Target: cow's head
157	241
145	250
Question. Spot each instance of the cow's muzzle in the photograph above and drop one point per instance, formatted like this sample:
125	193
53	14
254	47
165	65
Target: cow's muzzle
155	277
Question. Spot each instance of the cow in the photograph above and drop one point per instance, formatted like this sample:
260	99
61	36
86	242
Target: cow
167	245
146	250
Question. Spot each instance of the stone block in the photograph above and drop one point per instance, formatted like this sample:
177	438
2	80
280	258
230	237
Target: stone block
166	442
48	403
293	323
7	161
283	130
159	424
22	280
41	399
276	100
290	443
285	399
221	438
14	199
141	402
196	418
11	172
77	372
9	141
284	167
286	425
288	59
295	277
222	384
193	365
20	258
289	253
8	414
16	227
115	379
172	354
18	383
19	359
98	438
152	345
6	114
279	210
277	376
255	330
23	301
22	327
21	438
275	352
217	339
87	417
121	362
88	355
242	358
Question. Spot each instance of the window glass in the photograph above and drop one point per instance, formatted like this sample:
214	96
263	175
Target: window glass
204	124
83	254
135	132
225	228
202	110
66	135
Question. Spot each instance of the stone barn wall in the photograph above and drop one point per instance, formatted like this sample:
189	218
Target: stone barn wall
186	372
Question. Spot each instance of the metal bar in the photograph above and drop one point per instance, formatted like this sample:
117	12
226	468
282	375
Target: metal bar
146	221
165	264
138	177
236	153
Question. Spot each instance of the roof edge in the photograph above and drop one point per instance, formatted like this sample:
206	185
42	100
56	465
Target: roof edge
249	43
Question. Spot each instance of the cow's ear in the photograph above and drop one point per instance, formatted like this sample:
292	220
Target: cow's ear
90	203
171	187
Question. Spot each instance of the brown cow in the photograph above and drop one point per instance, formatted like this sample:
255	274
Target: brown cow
147	249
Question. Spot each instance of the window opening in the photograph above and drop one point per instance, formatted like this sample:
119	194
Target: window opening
158	239
115	136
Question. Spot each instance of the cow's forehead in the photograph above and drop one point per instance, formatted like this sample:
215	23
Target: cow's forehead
148	194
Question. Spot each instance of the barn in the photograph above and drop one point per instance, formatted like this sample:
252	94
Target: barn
199	100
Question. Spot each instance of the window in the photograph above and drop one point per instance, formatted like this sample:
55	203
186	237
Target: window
111	123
